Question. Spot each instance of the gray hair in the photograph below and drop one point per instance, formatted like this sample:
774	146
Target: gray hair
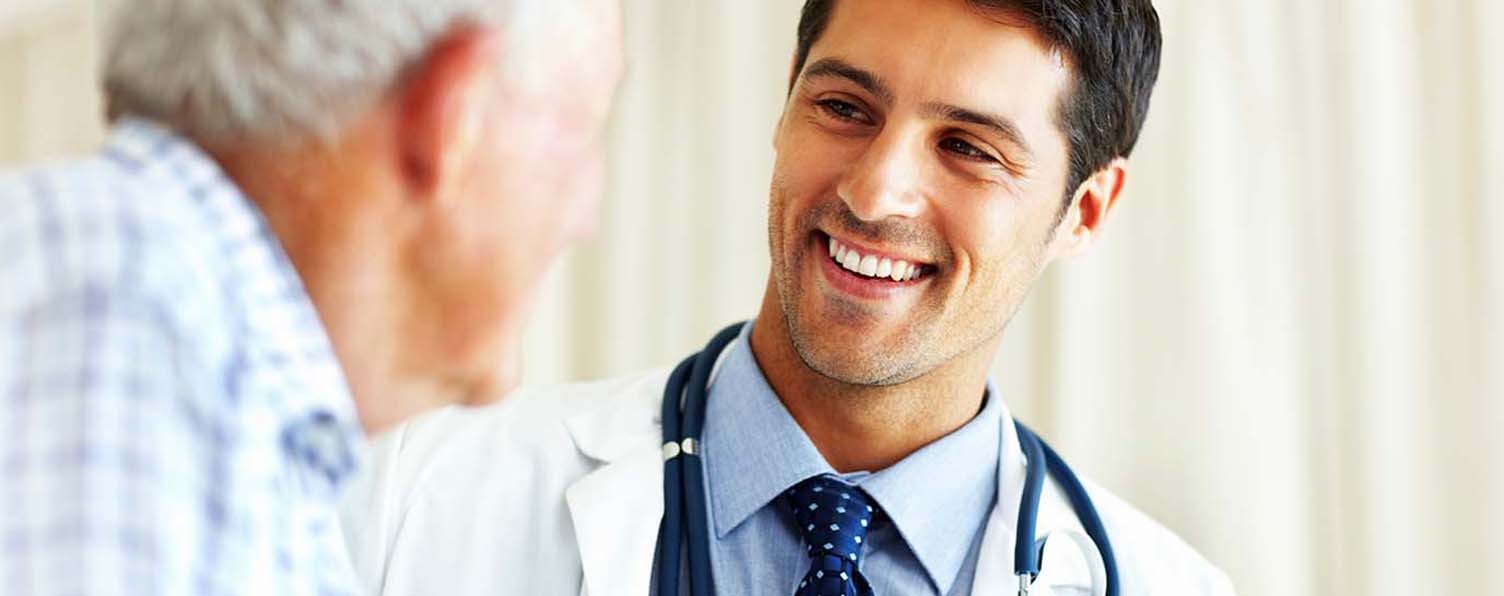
262	68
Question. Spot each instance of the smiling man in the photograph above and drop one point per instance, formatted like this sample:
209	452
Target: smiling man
933	157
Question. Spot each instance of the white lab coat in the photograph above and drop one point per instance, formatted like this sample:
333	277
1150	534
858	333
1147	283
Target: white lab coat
558	490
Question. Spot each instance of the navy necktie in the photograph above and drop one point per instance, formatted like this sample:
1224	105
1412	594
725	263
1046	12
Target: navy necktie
832	517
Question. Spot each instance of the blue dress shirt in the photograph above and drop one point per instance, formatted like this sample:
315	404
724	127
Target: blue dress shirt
935	502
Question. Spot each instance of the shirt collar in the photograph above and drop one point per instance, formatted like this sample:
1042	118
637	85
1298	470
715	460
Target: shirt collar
939	496
319	430
755	450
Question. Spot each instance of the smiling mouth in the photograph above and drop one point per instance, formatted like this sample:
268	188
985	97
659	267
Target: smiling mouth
869	264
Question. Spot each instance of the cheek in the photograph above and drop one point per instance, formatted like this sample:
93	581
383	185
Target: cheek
583	215
552	173
811	159
576	165
1016	253
505	222
806	172
995	235
781	191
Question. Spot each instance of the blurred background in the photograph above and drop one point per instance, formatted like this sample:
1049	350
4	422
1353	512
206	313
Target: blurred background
1289	346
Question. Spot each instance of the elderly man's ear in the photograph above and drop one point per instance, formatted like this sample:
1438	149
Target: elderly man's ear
445	104
1090	207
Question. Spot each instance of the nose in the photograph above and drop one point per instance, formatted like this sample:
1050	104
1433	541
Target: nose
886	180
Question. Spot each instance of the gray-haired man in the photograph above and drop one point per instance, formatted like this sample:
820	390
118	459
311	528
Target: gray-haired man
312	219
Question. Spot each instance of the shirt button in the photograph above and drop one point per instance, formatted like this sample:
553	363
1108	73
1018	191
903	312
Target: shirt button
321	448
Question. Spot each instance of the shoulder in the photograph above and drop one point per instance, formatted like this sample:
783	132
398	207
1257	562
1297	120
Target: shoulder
94	317
1151	558
105	275
532	423
93	225
506	466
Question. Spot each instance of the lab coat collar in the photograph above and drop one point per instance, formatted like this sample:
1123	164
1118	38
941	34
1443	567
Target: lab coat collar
617	507
995	564
617	427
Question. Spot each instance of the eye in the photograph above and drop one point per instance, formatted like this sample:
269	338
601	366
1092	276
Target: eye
966	150
843	110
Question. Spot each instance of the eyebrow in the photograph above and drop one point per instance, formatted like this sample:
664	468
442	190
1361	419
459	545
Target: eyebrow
837	68
874	84
999	125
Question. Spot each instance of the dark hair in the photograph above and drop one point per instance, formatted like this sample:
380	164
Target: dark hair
1112	48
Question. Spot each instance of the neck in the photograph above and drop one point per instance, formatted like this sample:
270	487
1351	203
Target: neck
313	205
867	427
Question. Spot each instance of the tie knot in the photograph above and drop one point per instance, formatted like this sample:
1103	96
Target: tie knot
832	517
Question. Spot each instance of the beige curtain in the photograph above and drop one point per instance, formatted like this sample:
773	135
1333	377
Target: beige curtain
48	103
1289	346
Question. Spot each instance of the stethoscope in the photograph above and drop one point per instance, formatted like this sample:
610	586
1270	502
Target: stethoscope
684	486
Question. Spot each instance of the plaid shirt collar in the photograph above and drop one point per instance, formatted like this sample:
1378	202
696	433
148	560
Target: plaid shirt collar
291	351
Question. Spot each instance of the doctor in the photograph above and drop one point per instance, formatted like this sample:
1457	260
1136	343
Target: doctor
933	157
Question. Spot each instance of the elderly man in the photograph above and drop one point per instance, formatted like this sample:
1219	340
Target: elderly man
312	219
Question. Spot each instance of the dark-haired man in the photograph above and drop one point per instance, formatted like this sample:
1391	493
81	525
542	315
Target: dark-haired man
933	157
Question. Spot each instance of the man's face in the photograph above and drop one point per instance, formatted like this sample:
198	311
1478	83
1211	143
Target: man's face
921	132
532	189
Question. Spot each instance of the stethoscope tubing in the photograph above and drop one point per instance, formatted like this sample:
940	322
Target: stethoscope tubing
671	530
694	464
683	417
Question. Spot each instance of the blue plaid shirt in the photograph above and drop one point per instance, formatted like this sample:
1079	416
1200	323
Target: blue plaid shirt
172	418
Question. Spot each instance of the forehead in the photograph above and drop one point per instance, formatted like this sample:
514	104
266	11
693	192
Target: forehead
948	51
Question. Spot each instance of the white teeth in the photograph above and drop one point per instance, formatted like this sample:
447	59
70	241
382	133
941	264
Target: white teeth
900	270
852	261
872	265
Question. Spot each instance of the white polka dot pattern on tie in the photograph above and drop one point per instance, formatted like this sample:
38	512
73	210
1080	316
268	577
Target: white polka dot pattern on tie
834	517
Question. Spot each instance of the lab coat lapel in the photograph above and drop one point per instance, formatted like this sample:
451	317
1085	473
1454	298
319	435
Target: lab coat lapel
616	509
995	562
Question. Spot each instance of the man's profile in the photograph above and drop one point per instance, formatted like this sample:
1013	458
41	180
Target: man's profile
311	220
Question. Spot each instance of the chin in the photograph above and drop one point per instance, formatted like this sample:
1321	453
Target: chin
856	358
486	397
855	369
484	367
491	387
